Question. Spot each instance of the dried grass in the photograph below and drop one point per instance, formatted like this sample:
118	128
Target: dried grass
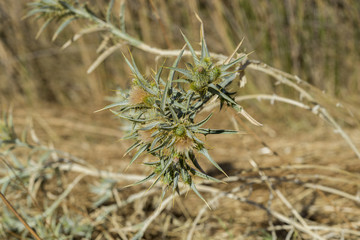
283	184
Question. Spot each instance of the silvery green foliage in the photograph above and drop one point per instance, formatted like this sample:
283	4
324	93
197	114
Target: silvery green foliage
16	173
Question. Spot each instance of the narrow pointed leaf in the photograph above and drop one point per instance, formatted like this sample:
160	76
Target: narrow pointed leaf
141	80
215	131
205	176
132	147
150	126
227	80
173	114
221	94
130	136
181	81
157	76
136	69
163	193
193	187
227	66
193	137
151	163
184	72
166	127
233	54
168	163
204	49
171	142
166	141
153	144
175	64
43	27
176	181
128	118
179	106
71	8
62	26
199	124
169	82
141	150
142	181
122	103
36	11
191	156
165	95
207	155
155	133
196	59
189	97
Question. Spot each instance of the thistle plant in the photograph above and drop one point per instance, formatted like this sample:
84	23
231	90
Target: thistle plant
163	112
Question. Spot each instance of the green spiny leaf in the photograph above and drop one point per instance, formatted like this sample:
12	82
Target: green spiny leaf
153	144
207	155
221	94
166	141
150	126
36	11
199	124
141	150
157	76
205	176
196	59
190	155
47	22
193	187
132	147
69	7
176	182
117	104
184	72
227	66
152	175
151	163
204	50
175	118
128	118
170	79
162	172
215	131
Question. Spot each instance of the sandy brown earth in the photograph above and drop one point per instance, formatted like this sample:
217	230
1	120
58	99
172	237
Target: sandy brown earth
298	159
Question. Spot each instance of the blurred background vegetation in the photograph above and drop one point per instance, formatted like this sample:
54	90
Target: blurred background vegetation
317	40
